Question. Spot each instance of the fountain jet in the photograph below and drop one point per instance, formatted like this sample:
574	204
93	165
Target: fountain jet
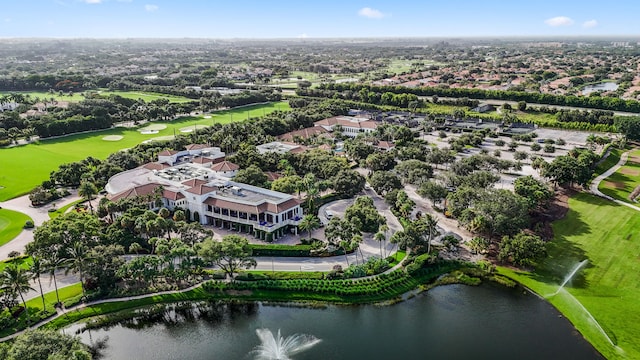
279	348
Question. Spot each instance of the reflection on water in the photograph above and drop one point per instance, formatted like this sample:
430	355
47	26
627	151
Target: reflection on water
450	322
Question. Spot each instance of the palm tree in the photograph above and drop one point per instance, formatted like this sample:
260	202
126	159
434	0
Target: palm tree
430	223
380	237
15	280
77	256
87	189
36	270
51	263
383	229
135	247
308	224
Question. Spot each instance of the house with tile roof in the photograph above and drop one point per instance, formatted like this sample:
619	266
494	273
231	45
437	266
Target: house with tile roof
351	125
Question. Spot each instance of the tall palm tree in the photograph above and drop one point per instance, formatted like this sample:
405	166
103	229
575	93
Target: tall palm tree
383	229
430	223
380	237
36	270
75	261
87	189
52	262
309	223
15	280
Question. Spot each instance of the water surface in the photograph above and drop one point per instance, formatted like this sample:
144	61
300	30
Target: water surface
448	322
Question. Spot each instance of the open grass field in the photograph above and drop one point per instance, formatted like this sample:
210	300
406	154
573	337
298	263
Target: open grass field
25	167
147	96
621	183
11	223
76	97
606	235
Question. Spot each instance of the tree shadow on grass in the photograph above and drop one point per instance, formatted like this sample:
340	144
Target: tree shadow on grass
564	255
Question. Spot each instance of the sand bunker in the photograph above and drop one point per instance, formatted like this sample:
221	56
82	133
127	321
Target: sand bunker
189	129
147	132
207	117
615	185
113	138
155	127
635	159
631	172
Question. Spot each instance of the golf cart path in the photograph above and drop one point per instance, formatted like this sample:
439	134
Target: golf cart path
595	184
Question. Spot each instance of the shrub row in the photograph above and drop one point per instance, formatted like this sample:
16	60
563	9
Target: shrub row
281	250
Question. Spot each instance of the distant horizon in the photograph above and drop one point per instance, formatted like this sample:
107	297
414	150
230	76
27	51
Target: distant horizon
470	37
330	19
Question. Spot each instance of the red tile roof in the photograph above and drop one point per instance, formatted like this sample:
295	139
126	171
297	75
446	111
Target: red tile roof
167	153
303	133
201	189
202	160
155	166
385	145
140	190
225	166
194	182
172	195
271	176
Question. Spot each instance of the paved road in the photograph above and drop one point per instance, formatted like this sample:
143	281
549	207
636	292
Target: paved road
596	182
38	214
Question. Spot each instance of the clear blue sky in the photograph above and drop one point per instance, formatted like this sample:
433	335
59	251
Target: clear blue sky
316	18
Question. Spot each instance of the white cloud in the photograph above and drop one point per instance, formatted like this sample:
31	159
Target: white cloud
151	8
559	21
303	36
92	1
590	24
371	13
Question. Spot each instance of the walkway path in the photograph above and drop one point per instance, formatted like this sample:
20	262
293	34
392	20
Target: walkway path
138	297
38	214
595	184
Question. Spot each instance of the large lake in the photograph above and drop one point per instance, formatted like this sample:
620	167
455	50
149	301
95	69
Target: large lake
448	322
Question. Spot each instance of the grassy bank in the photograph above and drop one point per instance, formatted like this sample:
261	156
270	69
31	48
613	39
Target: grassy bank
25	167
63	209
11	224
281	290
621	183
608	287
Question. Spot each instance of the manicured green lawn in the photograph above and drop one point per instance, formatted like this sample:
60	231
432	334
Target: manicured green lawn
609	162
621	183
11	224
147	96
25	167
23	262
62	210
78	96
606	234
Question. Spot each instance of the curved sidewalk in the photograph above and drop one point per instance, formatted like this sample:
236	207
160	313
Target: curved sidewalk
595	184
38	214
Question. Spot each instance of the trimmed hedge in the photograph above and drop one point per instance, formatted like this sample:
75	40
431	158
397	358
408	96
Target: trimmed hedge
281	250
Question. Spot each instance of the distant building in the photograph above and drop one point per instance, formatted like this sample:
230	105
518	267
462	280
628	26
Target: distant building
208	153
280	147
483	108
351	125
304	134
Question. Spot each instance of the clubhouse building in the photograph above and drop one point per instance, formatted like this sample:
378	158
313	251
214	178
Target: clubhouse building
199	181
